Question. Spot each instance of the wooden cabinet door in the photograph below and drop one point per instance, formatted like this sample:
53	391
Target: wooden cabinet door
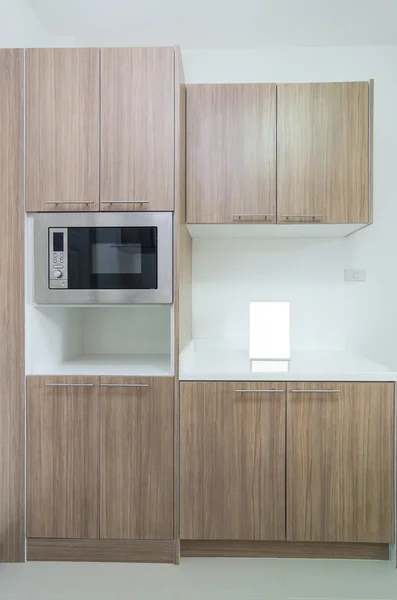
62	457
62	129
232	461
136	457
12	396
231	153
340	462
137	129
322	153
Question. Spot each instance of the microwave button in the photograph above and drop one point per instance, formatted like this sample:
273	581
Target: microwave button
57	274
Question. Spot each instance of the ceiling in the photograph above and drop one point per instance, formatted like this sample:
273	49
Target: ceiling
221	23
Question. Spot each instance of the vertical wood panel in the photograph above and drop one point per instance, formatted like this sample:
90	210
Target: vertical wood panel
232	461
62	129
340	463
322	152
12	545
136	458
137	128
231	153
62	457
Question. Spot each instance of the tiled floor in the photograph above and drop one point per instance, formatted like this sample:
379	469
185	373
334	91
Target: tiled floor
202	579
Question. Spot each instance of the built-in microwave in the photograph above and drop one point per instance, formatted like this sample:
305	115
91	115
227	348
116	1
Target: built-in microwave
103	258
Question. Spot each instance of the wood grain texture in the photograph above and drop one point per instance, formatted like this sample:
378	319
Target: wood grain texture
62	129
136	464
340	463
159	551
185	288
232	461
181	291
62	457
231	153
137	128
12	544
282	549
371	151
322	152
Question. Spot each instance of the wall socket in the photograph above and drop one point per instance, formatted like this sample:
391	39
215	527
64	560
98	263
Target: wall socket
355	275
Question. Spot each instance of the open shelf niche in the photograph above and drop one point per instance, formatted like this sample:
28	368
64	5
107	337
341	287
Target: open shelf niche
122	340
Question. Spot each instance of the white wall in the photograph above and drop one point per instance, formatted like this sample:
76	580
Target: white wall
325	311
20	28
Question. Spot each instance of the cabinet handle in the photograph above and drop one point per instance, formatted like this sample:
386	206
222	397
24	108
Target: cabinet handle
126	202
316	391
301	216
69	385
260	391
67	202
254	215
140	385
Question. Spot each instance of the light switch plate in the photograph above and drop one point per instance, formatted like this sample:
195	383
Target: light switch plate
355	275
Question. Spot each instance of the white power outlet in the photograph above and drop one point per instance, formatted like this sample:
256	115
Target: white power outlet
355	275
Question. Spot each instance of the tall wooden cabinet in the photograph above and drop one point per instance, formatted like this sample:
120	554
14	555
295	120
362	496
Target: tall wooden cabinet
137	129
323	152
12	544
62	129
231	153
136	458
62	457
340	447
232	461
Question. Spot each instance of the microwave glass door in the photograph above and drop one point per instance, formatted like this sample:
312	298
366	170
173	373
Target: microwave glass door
112	258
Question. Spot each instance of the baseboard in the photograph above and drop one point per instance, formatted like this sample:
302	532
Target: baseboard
237	548
95	550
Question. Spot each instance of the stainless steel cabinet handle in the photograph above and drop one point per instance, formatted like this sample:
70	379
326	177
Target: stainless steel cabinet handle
253	215
125	202
140	385
67	202
260	391
301	216
316	391
69	385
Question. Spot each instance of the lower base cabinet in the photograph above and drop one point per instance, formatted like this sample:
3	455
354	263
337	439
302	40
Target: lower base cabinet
301	462
232	464
100	458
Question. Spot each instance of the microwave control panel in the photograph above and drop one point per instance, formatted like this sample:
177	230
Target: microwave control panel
58	258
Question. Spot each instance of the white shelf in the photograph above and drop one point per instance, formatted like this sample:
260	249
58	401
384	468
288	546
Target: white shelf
209	360
262	230
145	365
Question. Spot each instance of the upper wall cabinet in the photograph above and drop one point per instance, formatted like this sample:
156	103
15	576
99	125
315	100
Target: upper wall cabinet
231	153
323	139
137	129
323	153
62	129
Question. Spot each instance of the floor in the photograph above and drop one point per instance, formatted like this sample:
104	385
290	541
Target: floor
202	579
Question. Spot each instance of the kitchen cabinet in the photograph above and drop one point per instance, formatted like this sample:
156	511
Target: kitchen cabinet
12	396
231	153
340	457
323	153
137	129
232	460
62	457
62	129
136	458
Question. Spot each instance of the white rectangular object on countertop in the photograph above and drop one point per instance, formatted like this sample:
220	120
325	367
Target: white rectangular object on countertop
269	331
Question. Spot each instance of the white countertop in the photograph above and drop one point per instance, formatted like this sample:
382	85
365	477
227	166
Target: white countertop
211	360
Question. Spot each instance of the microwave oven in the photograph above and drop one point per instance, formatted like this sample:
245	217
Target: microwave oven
103	258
